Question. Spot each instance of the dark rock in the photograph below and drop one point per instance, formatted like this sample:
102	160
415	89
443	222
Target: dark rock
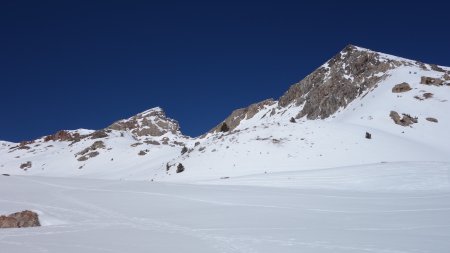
436	68
224	127
88	155
142	152
178	143
401	87
90	151
292	120
96	145
368	135
63	135
184	150
431	81
428	95
152	142
26	165
99	134
406	120
180	168
432	119
23	147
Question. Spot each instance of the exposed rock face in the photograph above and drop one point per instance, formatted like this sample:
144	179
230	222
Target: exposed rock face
240	114
20	220
99	134
401	87
431	81
90	151
63	135
149	123
152	142
406	120
436	68
338	82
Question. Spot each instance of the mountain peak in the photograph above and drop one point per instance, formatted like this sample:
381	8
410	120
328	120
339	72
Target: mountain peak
337	82
152	122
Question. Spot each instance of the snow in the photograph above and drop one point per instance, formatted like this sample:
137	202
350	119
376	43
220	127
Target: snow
323	211
269	185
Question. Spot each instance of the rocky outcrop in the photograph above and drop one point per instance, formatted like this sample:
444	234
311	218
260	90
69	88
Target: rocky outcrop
20	220
401	87
63	135
149	123
431	81
406	120
240	114
338	82
90	151
99	134
26	166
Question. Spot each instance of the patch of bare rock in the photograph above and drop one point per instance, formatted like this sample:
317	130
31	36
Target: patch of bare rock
401	87
431	119
90	151
26	166
406	120
20	220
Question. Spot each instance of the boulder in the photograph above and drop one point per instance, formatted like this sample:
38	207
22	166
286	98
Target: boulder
401	87
432	119
20	220
26	165
406	120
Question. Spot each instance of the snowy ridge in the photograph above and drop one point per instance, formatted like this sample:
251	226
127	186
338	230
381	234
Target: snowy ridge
348	96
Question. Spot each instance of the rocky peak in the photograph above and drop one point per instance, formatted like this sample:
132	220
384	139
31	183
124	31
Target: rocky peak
152	122
338	82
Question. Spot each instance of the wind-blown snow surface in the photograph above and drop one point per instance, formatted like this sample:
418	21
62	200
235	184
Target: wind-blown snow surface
401	207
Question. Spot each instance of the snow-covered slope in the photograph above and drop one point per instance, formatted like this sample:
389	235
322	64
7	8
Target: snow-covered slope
320	122
402	207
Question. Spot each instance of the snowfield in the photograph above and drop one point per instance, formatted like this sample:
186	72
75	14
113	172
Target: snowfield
399	207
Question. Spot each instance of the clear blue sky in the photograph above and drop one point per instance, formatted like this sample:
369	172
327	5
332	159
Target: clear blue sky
85	64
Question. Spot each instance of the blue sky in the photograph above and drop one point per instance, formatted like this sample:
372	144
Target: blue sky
85	64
